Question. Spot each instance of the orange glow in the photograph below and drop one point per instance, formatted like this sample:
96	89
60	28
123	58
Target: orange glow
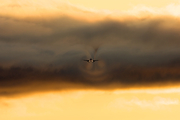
88	10
121	5
96	105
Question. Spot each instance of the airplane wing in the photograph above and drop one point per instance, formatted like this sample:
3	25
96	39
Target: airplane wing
95	60
86	60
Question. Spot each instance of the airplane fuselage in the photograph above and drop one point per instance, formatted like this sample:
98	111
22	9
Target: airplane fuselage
91	60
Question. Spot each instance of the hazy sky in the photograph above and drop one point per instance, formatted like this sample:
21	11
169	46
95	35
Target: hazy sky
122	5
43	44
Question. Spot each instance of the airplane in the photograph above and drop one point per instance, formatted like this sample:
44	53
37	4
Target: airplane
91	60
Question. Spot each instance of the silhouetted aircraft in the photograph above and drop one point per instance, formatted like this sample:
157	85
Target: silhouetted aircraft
91	60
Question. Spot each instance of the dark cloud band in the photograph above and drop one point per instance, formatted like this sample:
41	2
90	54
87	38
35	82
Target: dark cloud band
43	55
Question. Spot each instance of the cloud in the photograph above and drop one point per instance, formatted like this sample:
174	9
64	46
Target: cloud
46	53
156	103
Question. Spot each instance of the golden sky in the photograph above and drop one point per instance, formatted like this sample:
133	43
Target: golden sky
122	5
43	44
79	105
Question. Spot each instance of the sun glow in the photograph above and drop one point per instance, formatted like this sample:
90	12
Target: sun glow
86	10
92	104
